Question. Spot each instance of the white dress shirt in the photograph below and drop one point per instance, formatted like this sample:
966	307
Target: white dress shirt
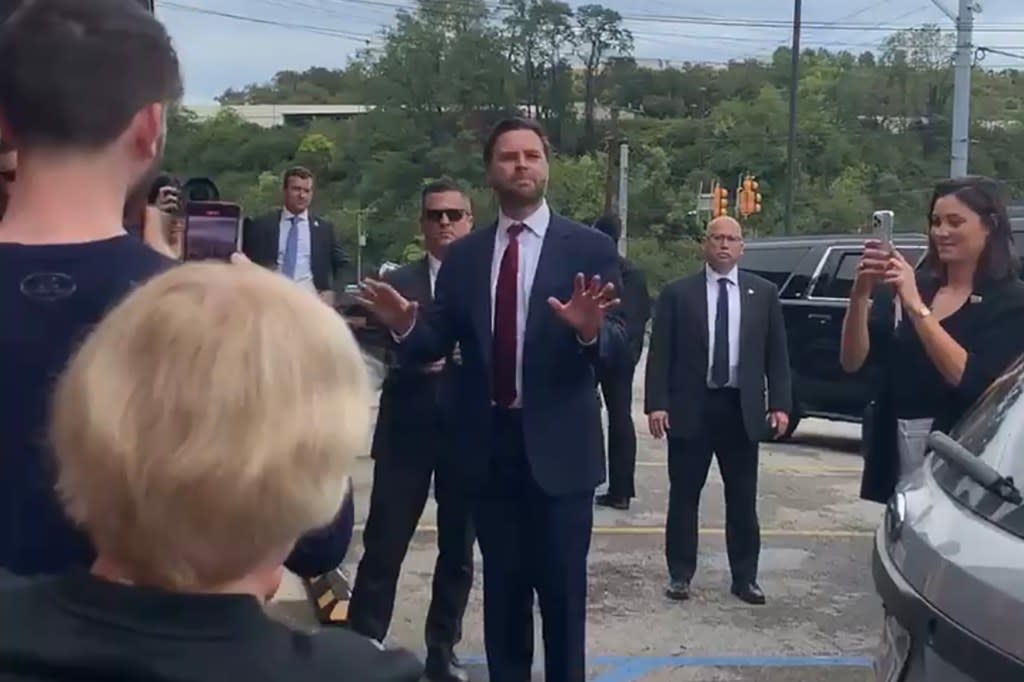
303	261
434	266
734	321
530	242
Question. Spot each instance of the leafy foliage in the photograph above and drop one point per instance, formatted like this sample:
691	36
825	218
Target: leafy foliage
873	128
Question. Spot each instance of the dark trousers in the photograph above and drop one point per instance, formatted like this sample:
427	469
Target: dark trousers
617	389
401	484
723	435
531	544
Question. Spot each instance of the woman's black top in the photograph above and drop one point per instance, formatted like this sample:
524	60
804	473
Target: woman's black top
989	326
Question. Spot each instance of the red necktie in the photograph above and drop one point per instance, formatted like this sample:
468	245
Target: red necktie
506	321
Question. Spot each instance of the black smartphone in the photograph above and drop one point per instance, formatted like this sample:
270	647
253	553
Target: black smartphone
213	230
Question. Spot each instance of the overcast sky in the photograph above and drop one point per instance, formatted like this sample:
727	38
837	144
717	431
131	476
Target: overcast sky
219	51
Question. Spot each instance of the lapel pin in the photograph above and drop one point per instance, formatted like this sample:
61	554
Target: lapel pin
750	292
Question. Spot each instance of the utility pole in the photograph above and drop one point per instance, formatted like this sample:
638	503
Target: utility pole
611	187
623	193
361	215
960	142
794	81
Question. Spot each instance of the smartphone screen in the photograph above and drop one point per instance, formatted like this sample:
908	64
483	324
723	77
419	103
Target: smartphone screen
212	230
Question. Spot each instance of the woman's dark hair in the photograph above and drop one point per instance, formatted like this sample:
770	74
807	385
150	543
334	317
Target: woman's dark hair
998	261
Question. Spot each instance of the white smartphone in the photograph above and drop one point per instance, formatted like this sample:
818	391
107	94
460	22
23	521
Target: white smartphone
882	224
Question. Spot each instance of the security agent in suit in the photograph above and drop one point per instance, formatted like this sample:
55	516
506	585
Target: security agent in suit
718	336
414	441
617	384
295	242
530	302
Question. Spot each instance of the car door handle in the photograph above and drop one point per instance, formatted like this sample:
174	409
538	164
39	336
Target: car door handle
820	317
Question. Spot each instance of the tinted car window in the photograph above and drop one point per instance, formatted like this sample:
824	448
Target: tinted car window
836	277
994	431
774	263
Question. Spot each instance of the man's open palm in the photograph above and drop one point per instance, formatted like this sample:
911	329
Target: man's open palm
585	311
394	311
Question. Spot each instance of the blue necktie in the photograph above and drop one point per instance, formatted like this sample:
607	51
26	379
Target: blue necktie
291	250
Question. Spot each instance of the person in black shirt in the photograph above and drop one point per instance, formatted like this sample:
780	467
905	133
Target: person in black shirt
617	384
65	258
206	423
938	336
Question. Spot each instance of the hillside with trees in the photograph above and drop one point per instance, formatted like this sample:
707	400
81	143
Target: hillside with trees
873	127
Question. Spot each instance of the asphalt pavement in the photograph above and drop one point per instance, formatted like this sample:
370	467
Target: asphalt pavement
822	617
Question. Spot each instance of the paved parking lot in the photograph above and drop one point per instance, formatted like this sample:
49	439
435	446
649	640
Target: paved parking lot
822	615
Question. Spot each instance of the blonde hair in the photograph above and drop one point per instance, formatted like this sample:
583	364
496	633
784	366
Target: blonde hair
209	421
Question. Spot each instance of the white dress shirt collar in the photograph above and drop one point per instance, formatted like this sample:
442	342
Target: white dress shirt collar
536	222
288	215
733	275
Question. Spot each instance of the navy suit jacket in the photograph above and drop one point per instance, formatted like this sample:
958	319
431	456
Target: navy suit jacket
561	415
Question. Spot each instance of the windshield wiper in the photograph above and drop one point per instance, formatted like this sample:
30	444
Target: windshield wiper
961	458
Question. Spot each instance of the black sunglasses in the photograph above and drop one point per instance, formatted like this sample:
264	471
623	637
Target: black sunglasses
454	214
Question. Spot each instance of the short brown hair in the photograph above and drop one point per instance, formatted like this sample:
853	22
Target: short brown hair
83	71
507	126
300	172
441	186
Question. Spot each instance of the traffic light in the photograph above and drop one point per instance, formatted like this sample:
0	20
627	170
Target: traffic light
750	197
719	201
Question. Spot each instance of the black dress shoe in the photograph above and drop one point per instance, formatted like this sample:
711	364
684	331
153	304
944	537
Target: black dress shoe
606	500
678	590
750	593
443	666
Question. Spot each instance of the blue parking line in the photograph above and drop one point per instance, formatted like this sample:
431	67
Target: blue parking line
632	668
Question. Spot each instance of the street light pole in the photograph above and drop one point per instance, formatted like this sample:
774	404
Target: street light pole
794	81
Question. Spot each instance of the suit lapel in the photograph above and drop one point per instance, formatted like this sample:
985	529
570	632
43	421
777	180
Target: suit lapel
548	277
481	307
424	292
747	308
699	305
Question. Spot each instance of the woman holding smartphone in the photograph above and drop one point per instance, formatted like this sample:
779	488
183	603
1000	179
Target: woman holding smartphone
938	336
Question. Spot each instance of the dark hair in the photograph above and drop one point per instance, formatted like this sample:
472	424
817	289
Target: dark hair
76	73
440	186
507	126
161	181
998	261
300	172
609	224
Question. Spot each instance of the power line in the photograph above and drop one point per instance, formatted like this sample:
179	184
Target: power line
269	22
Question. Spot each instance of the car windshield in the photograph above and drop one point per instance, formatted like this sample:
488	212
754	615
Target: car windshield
993	431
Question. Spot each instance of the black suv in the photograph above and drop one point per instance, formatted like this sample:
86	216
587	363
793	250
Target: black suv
814	274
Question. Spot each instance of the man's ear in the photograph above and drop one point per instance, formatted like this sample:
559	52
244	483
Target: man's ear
148	130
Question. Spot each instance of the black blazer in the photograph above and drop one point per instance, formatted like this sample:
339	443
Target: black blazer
636	305
410	400
261	242
561	417
988	328
677	359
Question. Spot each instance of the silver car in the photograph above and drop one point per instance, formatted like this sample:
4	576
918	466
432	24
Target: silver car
949	557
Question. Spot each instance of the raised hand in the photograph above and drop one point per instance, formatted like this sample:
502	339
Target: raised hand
394	311
585	311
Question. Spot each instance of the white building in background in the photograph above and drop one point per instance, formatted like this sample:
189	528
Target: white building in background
270	115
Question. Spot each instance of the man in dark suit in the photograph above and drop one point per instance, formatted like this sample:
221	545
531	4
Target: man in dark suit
295	242
617	384
717	336
414	441
530	302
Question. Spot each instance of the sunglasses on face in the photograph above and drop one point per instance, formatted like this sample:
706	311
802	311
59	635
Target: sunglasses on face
454	215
